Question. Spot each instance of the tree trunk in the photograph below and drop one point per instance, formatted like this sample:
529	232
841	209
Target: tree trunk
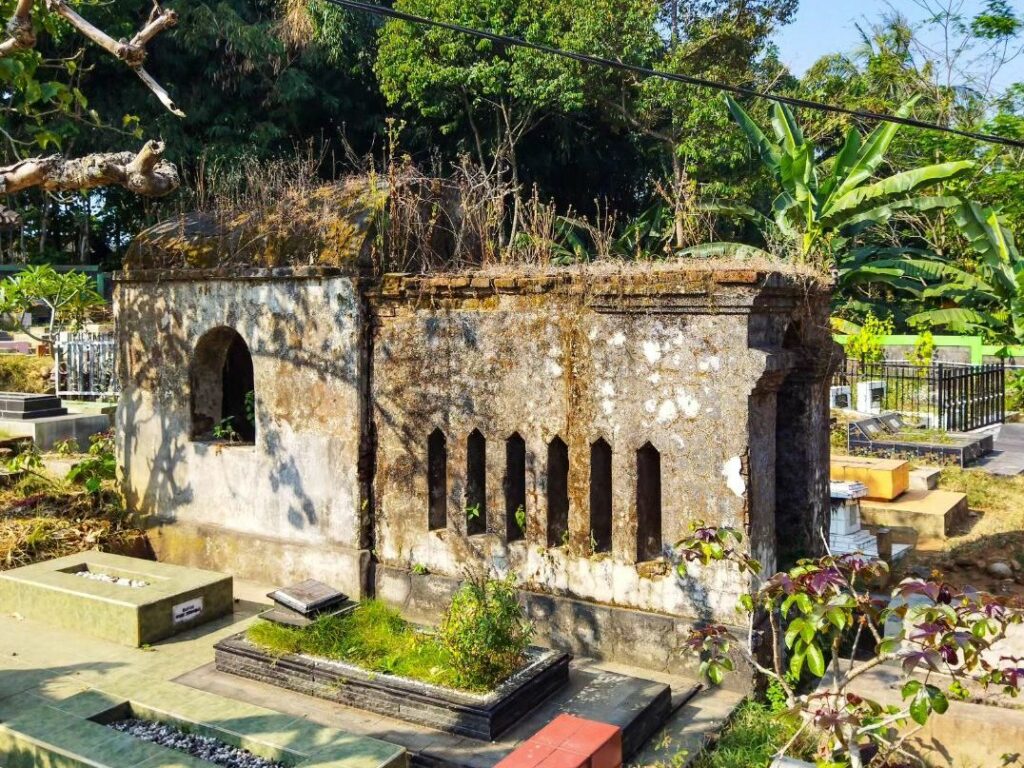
145	173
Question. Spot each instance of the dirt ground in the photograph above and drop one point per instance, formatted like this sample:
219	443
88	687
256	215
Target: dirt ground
994	533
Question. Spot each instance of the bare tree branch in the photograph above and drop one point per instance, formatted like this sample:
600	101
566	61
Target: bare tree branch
145	173
131	52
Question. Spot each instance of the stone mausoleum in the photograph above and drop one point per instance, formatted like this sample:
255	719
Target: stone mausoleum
292	411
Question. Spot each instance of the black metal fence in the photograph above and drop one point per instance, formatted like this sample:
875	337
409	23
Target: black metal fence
957	398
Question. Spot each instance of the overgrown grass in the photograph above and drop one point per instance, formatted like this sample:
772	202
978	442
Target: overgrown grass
26	373
374	637
752	739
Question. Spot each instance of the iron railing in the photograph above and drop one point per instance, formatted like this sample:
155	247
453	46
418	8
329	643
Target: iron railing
947	396
85	366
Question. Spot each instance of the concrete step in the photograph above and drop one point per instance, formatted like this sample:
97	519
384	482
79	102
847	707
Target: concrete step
689	731
924	478
921	518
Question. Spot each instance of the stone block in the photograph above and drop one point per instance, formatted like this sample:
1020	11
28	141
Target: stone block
22	406
923	518
170	599
50	430
885	479
925	478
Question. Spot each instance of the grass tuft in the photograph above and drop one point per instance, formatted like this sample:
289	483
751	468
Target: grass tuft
374	637
752	739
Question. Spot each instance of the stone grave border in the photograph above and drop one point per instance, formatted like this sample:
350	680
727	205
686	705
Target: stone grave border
73	732
876	436
483	717
174	599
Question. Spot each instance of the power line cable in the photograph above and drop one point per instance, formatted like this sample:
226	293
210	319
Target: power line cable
583	58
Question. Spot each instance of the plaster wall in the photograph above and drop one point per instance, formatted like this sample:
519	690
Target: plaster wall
247	508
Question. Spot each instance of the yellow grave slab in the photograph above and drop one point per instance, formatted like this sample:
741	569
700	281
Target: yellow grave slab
886	479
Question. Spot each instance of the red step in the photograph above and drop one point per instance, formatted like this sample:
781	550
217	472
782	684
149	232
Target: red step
569	742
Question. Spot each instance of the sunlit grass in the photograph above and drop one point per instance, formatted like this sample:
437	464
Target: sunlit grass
752	739
374	637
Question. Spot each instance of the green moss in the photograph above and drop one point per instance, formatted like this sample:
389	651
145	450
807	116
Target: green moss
374	637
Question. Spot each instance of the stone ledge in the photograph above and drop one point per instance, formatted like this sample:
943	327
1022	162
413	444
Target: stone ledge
253	274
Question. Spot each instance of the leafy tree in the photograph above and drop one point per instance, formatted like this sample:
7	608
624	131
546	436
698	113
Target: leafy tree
492	96
817	607
68	297
819	212
684	127
987	297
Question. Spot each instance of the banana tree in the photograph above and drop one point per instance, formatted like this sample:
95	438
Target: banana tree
822	207
986	297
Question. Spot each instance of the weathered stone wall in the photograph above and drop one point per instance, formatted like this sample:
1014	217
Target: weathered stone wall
722	372
690	362
289	506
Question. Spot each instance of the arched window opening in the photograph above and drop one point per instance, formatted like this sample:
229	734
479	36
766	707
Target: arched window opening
515	488
476	483
558	493
223	390
601	496
437	481
648	503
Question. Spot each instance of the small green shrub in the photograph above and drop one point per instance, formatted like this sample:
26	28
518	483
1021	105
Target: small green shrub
485	631
753	738
866	344
99	465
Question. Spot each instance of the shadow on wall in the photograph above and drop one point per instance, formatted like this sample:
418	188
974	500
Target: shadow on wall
157	355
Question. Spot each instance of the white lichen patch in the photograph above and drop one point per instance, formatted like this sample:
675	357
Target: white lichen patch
688	405
655	378
732	471
650	406
553	369
618	339
709	364
607	389
667	412
652	351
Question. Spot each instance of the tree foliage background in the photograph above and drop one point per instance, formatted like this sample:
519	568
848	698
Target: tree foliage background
264	79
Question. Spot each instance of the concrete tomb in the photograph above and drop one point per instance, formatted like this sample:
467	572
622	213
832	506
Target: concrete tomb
127	600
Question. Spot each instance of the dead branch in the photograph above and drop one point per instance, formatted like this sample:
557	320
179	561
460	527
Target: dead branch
145	173
131	52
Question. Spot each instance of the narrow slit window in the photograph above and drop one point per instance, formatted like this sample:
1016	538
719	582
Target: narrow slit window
437	480
558	493
476	483
648	503
515	488
601	496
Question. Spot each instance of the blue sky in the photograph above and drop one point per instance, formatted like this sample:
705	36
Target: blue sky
828	26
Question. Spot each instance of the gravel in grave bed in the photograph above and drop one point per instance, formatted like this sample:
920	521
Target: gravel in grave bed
201	747
120	581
